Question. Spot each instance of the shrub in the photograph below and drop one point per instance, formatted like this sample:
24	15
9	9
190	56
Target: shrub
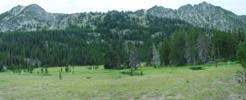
42	70
196	68
66	69
241	54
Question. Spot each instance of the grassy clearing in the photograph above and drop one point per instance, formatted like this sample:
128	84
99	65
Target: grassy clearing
162	83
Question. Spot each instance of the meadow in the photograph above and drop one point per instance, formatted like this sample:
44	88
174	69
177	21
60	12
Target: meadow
165	83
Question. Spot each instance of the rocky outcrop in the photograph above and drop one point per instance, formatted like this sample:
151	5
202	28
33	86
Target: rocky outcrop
34	18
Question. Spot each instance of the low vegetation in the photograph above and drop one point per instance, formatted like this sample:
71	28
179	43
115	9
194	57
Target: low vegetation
156	83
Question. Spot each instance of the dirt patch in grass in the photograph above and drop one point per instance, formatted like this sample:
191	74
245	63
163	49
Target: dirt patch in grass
177	96
1	98
237	97
162	97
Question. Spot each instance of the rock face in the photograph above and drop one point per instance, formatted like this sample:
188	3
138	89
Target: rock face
34	18
203	15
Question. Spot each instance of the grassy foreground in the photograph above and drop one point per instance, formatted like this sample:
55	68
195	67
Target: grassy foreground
171	83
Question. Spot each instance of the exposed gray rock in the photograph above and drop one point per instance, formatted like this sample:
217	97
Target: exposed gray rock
203	15
34	18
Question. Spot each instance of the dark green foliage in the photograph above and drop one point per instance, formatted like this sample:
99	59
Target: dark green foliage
116	56
115	19
1	62
87	46
177	52
176	43
133	72
49	48
224	45
241	54
165	51
196	68
1	68
88	77
67	69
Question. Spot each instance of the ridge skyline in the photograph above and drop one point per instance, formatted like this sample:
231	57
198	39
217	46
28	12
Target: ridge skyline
82	9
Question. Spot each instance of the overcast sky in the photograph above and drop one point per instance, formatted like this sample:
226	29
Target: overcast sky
73	6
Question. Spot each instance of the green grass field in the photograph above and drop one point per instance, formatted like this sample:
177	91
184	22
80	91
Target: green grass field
169	83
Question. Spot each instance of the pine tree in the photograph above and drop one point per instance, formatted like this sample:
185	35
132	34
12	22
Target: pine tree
177	54
165	51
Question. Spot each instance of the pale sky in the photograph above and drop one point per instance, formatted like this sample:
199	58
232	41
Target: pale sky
73	6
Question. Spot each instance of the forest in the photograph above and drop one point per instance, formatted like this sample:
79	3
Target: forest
119	42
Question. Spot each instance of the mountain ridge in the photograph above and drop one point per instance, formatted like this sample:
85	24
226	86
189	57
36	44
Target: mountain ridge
34	18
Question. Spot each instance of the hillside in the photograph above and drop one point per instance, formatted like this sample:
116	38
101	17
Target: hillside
32	37
33	18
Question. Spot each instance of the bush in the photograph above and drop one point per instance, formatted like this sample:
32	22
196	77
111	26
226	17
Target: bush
42	70
196	68
241	54
66	69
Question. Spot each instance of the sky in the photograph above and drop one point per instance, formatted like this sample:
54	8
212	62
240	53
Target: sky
74	6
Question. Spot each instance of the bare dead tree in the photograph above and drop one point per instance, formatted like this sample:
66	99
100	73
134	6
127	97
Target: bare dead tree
155	57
